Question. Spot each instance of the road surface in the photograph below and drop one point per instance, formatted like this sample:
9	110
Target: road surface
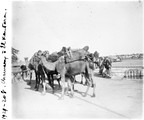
115	98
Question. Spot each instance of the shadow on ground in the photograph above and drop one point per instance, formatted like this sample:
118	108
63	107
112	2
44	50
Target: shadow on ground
57	89
31	86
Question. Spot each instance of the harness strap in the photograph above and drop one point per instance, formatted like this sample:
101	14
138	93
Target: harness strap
66	62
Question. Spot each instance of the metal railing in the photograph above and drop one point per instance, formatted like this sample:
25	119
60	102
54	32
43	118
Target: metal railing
131	72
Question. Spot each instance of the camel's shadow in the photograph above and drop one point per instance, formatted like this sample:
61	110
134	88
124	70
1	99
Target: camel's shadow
57	89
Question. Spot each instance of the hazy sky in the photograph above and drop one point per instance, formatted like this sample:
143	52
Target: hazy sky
107	27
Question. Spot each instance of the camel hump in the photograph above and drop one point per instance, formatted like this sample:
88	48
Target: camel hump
96	54
55	53
53	57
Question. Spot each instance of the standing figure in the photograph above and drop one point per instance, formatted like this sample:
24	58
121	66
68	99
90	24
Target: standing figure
101	65
107	63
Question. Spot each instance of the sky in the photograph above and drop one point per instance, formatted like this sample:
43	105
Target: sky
107	27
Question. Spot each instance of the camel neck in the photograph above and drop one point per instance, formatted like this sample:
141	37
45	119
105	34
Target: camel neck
43	59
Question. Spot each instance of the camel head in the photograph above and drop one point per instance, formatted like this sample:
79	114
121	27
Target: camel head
69	53
43	57
45	54
39	52
66	51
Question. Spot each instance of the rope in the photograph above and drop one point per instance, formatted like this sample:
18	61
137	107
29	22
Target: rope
74	60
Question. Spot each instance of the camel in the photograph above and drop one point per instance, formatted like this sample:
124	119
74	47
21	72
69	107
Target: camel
38	69
68	67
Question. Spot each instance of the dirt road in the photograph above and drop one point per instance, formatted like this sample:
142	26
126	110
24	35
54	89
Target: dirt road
115	98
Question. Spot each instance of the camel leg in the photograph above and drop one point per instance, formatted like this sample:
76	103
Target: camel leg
52	83
26	74
36	82
85	79
94	87
58	80
63	86
88	86
71	87
87	90
38	78
66	89
93	84
62	94
30	78
81	79
44	88
22	75
72	83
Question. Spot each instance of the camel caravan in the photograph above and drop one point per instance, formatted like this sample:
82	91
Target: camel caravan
65	65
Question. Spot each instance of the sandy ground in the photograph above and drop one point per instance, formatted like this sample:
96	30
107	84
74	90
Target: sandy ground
115	98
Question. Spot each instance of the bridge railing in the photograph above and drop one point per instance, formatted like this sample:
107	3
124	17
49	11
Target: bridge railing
132	72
